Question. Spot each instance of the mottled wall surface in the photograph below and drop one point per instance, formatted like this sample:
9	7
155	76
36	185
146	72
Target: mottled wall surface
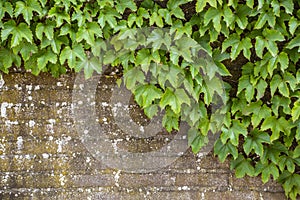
42	157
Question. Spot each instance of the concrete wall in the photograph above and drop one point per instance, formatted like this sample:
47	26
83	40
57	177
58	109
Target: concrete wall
42	157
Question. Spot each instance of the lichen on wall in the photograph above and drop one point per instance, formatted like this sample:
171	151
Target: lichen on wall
42	156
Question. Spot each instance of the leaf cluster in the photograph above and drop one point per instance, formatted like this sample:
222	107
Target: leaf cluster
258	122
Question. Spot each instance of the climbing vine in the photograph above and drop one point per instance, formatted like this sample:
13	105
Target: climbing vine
254	45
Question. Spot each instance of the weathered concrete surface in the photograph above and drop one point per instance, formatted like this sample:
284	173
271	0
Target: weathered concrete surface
41	156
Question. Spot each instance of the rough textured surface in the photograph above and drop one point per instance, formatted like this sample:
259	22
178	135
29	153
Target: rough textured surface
42	157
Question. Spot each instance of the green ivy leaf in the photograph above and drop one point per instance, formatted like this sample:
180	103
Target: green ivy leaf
18	32
255	141
171	75
68	30
103	3
181	30
82	16
196	140
132	77
189	86
71	55
8	58
56	69
293	24
262	113
173	4
245	84
241	16
283	60
265	16
166	15
157	38
45	28
273	35
295	42
108	15
250	3
27	8
276	80
233	132
261	88
89	65
276	8
195	113
132	18
182	97
170	120
259	46
6	7
43	2
60	16
144	59
177	12
272	152
291	80
98	47
55	43
31	64
279	101
45	57
237	46
242	167
223	150
266	171
151	110
200	4
277	126
88	33
272	47
146	94
218	57
123	4
289	181
184	47
109	58
296	152
64	4
214	15
174	99
126	59
296	111
228	15
156	19
283	89
26	49
288	5
286	161
142	12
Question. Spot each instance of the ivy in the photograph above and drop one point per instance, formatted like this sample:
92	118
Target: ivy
255	142
242	167
254	47
18	32
237	45
72	55
27	9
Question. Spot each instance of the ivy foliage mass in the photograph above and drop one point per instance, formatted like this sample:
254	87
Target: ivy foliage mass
254	44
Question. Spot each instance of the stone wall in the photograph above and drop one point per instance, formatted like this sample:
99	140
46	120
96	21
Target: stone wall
42	157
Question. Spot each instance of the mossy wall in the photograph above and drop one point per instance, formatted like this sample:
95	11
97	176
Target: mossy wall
42	157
